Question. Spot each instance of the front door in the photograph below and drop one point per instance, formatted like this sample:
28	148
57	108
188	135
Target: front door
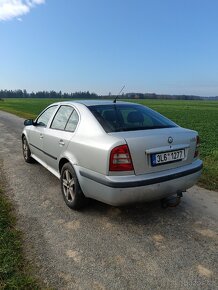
37	132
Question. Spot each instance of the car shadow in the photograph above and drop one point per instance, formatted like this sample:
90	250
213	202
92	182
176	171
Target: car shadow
137	214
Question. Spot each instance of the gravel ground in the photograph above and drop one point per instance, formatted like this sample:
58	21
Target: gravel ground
104	247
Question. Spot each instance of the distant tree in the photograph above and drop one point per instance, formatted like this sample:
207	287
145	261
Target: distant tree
25	95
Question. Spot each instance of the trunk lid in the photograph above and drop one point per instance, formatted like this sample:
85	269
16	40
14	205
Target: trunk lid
145	144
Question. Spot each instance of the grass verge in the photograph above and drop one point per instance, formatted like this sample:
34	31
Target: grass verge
13	273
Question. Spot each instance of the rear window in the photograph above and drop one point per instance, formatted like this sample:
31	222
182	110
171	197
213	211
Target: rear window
121	117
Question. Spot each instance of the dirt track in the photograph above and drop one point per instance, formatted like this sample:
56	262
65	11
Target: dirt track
103	247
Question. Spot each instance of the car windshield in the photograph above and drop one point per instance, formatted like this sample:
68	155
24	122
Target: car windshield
122	117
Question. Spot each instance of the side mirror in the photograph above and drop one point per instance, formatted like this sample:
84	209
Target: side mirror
28	122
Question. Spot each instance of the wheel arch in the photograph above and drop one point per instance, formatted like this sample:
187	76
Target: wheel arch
24	134
63	161
65	158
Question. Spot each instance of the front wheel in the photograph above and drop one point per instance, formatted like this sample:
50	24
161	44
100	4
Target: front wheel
72	193
26	151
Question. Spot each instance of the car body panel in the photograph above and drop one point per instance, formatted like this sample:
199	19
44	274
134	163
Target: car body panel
35	140
121	190
143	143
59	141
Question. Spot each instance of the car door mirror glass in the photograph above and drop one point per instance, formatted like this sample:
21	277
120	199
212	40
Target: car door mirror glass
28	122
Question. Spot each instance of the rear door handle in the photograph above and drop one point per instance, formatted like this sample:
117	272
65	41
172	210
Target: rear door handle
41	136
61	142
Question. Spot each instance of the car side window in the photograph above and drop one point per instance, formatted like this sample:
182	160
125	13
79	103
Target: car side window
72	122
60	120
45	116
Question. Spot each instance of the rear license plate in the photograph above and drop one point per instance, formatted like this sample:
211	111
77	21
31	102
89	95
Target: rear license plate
167	157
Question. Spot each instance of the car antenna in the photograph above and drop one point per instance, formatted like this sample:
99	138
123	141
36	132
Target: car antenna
115	100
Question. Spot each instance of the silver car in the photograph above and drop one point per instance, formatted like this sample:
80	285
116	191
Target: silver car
117	153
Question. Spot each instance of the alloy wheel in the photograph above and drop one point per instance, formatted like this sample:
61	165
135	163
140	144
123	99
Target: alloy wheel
68	185
25	149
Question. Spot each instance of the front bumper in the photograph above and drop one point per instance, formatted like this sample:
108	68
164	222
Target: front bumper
121	190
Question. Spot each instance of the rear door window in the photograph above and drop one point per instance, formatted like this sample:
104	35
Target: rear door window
72	122
61	118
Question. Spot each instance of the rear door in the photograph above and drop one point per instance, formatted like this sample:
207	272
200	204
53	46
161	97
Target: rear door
59	134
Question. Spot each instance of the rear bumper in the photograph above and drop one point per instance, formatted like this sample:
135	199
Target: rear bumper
120	190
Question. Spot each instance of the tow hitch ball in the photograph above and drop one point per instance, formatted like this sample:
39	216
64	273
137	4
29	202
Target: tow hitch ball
172	201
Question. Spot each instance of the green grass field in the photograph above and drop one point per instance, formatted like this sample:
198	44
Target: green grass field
197	115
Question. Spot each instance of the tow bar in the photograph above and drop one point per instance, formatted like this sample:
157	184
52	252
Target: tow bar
171	201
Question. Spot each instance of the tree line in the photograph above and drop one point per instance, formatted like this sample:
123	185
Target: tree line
45	94
87	95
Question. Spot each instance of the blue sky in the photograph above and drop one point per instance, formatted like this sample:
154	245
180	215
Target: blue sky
161	46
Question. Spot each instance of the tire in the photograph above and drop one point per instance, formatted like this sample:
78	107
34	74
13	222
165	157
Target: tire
71	190
26	151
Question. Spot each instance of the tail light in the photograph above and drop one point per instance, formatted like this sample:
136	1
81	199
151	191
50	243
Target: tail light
120	159
197	147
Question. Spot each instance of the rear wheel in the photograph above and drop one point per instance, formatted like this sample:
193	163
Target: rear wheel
26	151
72	193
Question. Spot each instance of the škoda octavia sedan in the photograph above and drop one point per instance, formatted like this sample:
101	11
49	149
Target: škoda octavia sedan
117	153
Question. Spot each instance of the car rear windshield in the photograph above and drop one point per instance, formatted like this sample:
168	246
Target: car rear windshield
121	117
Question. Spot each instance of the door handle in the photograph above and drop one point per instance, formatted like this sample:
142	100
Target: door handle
61	142
41	136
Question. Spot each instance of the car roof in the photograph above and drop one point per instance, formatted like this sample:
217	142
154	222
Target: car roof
95	102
